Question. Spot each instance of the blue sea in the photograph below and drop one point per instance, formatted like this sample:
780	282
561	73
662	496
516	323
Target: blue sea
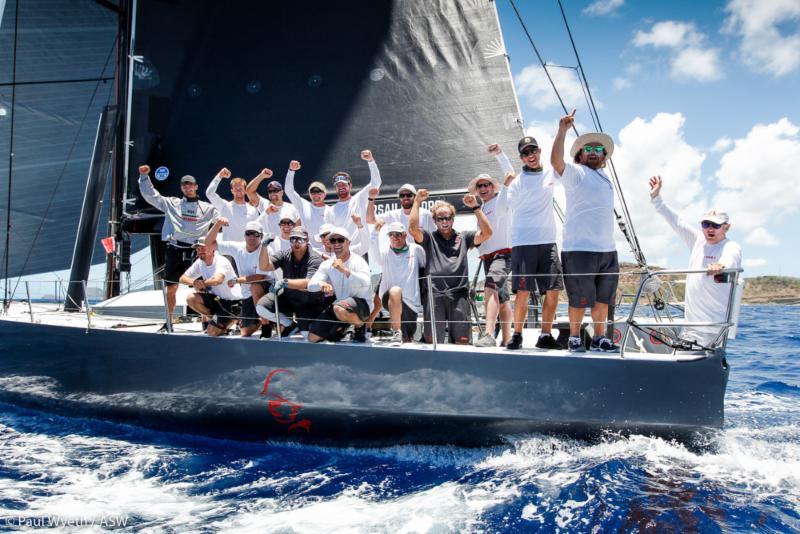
82	475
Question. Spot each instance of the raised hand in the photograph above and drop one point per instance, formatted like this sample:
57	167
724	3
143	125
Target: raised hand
566	122
294	165
224	173
470	201
223	221
272	208
338	265
422	194
494	149
509	177
357	219
655	186
379	224
144	169
265	173
366	155
374	192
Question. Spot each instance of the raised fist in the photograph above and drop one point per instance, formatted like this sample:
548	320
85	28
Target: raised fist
366	155
494	149
509	177
422	194
338	265
144	169
272	208
223	221
379	224
374	192
224	173
294	165
470	201
265	173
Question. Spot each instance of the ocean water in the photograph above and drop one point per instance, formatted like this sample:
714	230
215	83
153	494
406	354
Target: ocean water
83	475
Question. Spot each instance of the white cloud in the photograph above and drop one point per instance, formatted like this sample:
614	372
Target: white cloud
602	8
758	176
534	87
765	47
761	237
621	83
754	262
670	34
697	64
722	144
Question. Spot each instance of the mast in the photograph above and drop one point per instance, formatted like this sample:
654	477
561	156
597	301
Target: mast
11	156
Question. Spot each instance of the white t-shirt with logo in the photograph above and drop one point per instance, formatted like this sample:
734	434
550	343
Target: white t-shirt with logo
402	270
341	213
238	215
530	198
246	262
219	264
589	218
311	216
398	215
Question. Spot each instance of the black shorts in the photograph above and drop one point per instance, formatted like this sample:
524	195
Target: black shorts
176	261
355	305
408	318
541	263
585	291
497	272
452	310
248	314
225	310
329	327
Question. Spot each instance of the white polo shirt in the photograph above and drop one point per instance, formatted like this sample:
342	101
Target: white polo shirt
589	219
219	264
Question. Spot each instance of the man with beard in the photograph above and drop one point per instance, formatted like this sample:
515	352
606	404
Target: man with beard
534	254
186	219
589	255
347	204
405	195
706	299
446	262
250	277
495	253
237	211
312	214
215	298
347	278
272	209
297	265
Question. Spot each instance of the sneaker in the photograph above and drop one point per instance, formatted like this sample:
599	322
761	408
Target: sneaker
516	342
360	334
575	344
486	340
603	344
397	338
289	330
547	342
266	331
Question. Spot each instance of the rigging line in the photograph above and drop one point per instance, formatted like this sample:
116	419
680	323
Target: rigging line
54	82
7	251
631	236
64	168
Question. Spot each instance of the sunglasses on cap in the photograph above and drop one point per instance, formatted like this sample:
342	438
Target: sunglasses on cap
590	148
709	224
529	152
252	233
405	195
300	240
337	240
286	223
444	219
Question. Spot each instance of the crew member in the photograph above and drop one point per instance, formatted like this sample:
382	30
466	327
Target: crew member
446	262
347	204
706	296
347	278
591	267
297	266
186	219
250	277
237	211
272	209
312	214
496	256
215	297
405	196
534	254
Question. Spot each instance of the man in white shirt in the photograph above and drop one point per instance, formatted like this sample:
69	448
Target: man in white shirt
495	253
399	290
347	204
215	298
348	278
237	211
589	255
273	208
706	296
405	195
250	277
312	214
534	254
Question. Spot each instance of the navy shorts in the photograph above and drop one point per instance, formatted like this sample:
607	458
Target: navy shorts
536	266
585	291
329	327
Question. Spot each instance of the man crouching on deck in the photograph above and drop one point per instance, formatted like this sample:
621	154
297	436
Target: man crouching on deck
214	298
347	276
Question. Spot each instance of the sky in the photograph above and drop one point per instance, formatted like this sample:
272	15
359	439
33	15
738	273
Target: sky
704	94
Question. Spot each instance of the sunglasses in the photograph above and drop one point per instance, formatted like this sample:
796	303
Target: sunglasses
252	233
405	195
709	224
483	185
286	223
300	240
336	240
270	191
444	219
395	234
589	148
316	191
529	152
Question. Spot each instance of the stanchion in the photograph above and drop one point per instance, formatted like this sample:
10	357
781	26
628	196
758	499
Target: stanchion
28	293
86	306
432	312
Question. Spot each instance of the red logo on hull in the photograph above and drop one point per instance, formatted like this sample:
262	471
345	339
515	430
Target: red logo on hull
282	409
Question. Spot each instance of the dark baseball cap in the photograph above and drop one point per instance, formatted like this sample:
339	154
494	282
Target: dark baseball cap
274	184
526	142
188	179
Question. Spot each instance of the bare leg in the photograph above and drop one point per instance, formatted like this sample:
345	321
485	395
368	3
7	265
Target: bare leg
195	302
600	318
376	309
575	320
172	291
549	310
492	303
520	310
347	316
506	317
395	307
